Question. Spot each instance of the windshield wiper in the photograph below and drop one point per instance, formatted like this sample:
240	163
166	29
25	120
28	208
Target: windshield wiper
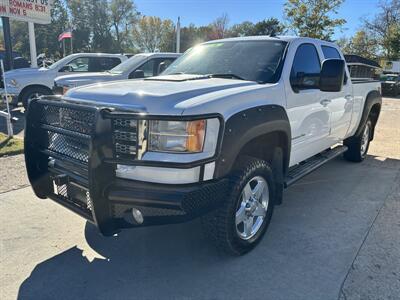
226	75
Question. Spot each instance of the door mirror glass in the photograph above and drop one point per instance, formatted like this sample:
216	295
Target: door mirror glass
332	75
136	74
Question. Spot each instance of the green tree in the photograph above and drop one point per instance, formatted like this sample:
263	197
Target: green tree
80	11
152	33
100	24
385	28
270	26
243	29
192	35
123	17
46	35
360	44
313	18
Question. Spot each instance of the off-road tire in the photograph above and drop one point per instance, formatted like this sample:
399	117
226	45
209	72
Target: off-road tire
220	225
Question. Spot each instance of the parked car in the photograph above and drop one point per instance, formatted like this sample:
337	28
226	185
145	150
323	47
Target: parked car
25	84
390	84
219	134
139	66
391	67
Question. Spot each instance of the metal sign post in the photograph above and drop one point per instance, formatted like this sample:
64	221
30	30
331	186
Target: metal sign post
31	11
7	42
8	114
32	44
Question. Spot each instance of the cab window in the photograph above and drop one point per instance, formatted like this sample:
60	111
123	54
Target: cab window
306	68
101	64
330	53
80	64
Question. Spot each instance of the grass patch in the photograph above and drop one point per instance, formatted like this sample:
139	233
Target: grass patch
11	146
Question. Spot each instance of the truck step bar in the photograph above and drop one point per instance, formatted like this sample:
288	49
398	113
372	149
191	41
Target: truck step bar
304	168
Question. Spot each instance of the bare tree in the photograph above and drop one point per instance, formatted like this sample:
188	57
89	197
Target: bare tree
219	28
385	28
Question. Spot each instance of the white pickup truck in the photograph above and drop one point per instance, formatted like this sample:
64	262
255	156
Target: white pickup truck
141	65
26	84
220	134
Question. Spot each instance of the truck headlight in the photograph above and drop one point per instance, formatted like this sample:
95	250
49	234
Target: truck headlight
177	136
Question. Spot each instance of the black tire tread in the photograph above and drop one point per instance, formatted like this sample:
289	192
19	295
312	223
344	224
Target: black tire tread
216	224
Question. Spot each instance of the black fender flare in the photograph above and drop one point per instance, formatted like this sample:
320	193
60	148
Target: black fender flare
373	97
247	125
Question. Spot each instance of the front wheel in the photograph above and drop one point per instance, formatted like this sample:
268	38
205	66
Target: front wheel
239	225
359	145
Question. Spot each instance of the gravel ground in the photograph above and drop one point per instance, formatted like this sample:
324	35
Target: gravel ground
12	173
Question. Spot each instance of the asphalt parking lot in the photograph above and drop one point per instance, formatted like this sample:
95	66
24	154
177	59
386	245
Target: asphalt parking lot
336	236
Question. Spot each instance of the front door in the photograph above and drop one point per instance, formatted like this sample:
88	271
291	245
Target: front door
308	114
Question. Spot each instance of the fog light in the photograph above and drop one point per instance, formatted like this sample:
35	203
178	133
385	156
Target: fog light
137	216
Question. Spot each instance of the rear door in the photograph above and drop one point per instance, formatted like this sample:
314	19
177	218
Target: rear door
309	119
339	104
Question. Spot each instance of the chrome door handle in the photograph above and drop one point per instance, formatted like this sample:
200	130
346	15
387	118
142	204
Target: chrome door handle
348	97
325	102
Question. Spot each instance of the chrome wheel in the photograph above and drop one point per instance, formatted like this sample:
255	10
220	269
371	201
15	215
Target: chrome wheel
365	140
252	208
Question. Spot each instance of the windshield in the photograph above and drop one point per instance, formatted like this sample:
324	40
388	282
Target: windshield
128	65
388	78
59	63
249	60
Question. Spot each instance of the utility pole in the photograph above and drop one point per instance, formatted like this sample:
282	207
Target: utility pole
8	43
178	36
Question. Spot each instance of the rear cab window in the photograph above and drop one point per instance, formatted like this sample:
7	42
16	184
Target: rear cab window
332	53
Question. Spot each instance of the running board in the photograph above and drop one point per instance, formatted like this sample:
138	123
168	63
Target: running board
306	167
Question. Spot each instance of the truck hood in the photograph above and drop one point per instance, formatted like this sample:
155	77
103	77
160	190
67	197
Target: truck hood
24	72
156	95
79	79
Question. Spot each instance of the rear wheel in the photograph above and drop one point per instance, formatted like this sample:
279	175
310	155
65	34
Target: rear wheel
239	225
33	93
359	144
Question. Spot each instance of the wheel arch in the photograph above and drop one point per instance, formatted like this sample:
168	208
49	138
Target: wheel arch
262	132
31	86
372	108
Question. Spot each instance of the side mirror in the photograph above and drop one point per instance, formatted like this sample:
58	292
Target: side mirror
66	68
137	74
161	67
332	75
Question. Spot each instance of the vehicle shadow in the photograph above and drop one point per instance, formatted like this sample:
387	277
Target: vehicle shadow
18	124
312	241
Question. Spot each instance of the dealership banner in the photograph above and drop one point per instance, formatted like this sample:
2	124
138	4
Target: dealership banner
36	11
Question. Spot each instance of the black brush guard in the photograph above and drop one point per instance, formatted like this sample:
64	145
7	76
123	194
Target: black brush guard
71	154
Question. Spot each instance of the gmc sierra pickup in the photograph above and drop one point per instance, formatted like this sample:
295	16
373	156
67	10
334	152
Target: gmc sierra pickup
220	134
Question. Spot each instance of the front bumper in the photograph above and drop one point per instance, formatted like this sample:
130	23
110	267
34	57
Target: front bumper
85	181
